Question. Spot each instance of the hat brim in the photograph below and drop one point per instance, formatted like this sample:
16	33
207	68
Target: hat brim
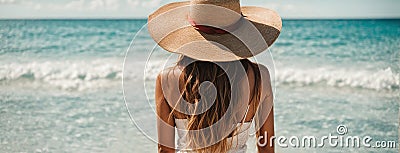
169	27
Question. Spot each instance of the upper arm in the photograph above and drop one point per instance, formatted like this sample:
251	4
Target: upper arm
165	123
265	113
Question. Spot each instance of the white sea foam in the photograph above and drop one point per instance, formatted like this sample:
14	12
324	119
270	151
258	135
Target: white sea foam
78	75
81	75
384	79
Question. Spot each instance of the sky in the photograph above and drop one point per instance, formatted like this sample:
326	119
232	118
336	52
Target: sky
289	9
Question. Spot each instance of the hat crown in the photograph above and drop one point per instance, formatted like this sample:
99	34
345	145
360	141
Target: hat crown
218	13
233	5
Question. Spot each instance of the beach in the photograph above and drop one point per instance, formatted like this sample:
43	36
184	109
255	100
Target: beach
61	83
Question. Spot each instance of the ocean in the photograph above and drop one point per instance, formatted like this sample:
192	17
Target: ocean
61	84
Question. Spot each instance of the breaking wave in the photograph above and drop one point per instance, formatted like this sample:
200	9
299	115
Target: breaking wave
384	79
80	75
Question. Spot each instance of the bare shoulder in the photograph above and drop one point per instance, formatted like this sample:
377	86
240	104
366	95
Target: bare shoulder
265	81
163	92
264	71
168	84
167	78
169	73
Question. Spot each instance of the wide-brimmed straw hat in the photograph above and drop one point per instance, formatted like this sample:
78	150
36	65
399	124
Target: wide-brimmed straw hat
214	30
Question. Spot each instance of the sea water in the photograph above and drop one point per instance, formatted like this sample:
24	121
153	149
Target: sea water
60	83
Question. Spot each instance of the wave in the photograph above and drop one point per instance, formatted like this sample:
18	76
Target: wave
74	75
81	75
384	79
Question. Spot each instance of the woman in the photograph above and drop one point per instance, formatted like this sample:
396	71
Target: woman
214	92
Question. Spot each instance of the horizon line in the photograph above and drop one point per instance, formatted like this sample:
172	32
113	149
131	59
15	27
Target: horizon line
138	18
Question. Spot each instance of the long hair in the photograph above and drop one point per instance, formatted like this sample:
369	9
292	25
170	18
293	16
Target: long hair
224	94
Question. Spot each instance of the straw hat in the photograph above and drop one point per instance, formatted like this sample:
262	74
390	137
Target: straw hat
214	30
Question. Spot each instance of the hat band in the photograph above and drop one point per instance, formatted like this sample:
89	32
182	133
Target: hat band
214	30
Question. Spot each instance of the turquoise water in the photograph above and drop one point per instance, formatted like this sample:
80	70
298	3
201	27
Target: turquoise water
61	91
